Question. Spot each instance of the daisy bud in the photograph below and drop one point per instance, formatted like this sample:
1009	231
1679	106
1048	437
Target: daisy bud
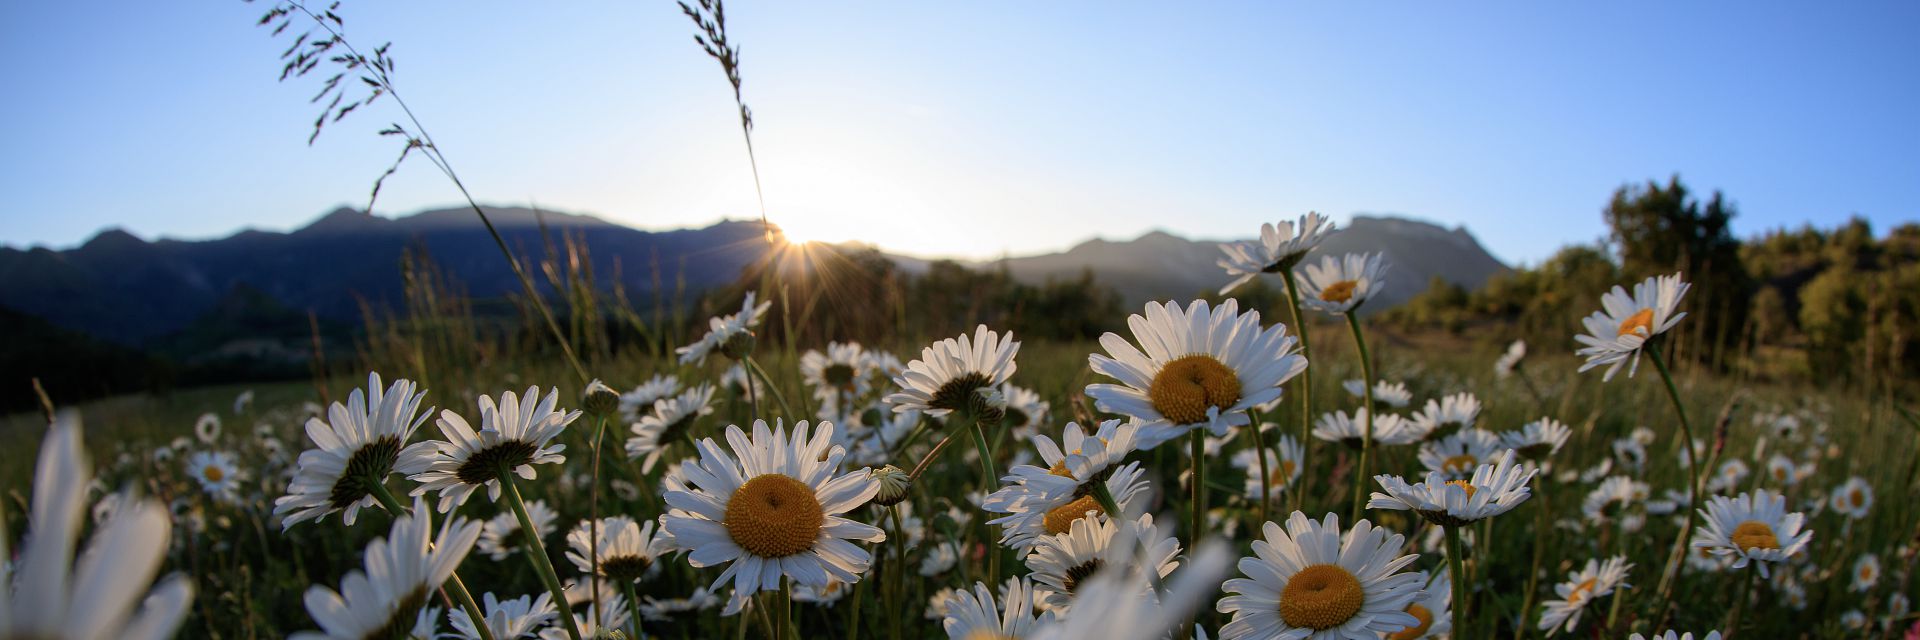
989	405
895	484
599	399
738	346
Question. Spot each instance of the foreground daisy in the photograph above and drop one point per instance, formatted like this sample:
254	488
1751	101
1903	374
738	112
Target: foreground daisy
402	570
1195	367
1753	528
517	618
974	615
44	594
1340	285
1592	582
950	372
1280	247
1311	580
513	437
1044	501
502	535
1625	323
1434	611
1060	564
355	448
1493	489
774	512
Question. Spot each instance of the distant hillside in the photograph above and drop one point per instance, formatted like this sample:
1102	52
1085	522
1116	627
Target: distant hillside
1162	266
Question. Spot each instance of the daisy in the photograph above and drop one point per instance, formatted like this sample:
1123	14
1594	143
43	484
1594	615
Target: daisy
611	619
949	373
1753	528
1732	474
732	334
1458	455
1610	501
1388	429
1853	620
663	610
402	571
1866	572
626	548
1283	465
1539	439
839	373
773	513
1314	581
1119	604
824	596
1340	285
517	618
207	428
1669	635
1447	415
1508	361
1434	611
1280	247
634	404
1492	490
502	536
1592	582
216	472
354	449
973	614
1392	393
1625	323
1631	453
734	379
1046	501
1026	412
940	559
1853	498
1060	564
45	594
1201	367
513	437
671	421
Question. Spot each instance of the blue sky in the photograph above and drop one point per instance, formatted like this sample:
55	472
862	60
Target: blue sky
977	129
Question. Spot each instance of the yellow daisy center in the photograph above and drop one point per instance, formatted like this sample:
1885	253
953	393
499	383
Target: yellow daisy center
987	634
1322	596
1459	464
774	516
1582	590
1640	323
1857	497
1186	387
1426	622
1280	476
1754	534
1060	519
1464	485
1339	292
213	473
1866	572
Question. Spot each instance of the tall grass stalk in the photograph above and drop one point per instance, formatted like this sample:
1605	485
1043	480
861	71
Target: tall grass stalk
1366	440
1304	388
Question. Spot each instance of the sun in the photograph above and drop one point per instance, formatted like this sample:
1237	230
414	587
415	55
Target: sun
798	231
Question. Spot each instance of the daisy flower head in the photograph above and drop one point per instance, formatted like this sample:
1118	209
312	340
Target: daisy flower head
520	617
1447	415
1853	498
731	335
1596	580
1611	501
1434	611
1200	366
626	548
402	571
1538	440
1731	475
1624	323
1061	564
1313	580
975	615
1670	635
217	473
1492	490
501	535
1339	285
1280	247
1389	429
660	610
44	593
358	444
669	422
1119	603
1753	528
839	372
772	509
1026	411
513	436
597	619
639	401
950	373
1041	502
1780	469
1509	360
1866	572
1283	466
1459	455
207	428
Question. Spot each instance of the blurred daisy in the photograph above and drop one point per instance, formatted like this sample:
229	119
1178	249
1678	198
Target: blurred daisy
940	559
838	374
243	402
1508	361
1611	501
1537	440
1046	501
1492	490
1119	604
502	536
1283	466
1631	453
664	610
1447	415
1202	367
216	472
1314	581
207	428
1388	429
1434	610
1625	323
513	437
627	549
974	615
1458	455
949	373
726	333
520	617
1853	498
612	618
1060	564
1596	580
354	448
734	379
1866	572
1395	394
639	401
1753	528
1853	620
1026	412
1780	470
45	594
402	571
1340	285
774	512
1669	635
824	595
1731	475
1280	247
670	421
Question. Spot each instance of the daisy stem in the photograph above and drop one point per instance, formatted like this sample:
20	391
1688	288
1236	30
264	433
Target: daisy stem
1740	602
1677	558
772	389
1533	571
1266	475
1459	585
538	551
593	513
454	585
1366	439
1105	498
1305	388
931	456
1199	454
894	584
991	479
786	608
633	606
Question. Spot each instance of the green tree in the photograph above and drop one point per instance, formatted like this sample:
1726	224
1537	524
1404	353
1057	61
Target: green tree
1658	229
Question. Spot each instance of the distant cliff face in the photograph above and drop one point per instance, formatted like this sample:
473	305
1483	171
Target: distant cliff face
1162	266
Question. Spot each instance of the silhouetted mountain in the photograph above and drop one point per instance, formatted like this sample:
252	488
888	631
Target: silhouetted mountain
1163	266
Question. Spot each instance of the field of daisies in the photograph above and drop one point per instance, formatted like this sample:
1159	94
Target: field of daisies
1210	473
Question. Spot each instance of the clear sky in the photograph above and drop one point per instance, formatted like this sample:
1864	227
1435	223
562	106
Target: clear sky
976	128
